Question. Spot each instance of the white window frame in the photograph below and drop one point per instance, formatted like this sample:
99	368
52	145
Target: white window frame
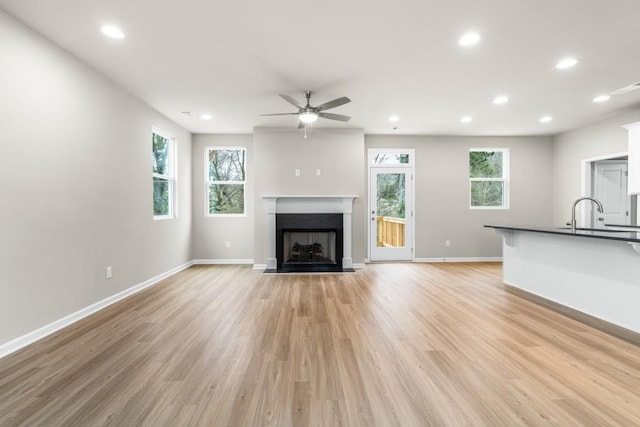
504	179
207	183
171	177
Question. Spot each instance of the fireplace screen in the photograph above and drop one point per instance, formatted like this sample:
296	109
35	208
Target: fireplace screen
309	247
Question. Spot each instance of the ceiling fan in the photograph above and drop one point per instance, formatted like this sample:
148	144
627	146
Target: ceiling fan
308	114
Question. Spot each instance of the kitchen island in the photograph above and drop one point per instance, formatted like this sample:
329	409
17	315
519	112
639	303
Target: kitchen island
592	273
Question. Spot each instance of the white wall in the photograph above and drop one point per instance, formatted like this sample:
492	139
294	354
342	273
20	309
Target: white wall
75	168
442	191
338	153
210	233
570	148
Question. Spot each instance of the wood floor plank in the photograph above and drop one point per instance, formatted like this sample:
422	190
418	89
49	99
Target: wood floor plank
393	344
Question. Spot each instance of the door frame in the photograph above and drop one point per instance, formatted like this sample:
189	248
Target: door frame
597	180
410	166
588	182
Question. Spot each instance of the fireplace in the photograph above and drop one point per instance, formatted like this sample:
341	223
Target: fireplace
309	242
320	225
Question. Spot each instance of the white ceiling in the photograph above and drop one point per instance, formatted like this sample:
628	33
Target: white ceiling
232	58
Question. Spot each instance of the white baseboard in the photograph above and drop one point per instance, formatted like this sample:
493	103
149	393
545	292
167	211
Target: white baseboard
31	337
222	261
460	259
358	265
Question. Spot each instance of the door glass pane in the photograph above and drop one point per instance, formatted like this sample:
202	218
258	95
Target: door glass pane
390	212
390	158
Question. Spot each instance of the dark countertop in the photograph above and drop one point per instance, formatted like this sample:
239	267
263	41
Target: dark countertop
593	233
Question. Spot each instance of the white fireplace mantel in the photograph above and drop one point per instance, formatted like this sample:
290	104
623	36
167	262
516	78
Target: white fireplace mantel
309	204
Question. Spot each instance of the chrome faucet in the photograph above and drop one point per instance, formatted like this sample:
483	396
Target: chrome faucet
573	210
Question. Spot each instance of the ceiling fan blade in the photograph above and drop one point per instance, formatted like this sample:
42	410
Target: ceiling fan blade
331	116
291	100
301	125
280	114
332	104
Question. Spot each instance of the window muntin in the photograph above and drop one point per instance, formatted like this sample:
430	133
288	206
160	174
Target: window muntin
488	176
226	180
163	154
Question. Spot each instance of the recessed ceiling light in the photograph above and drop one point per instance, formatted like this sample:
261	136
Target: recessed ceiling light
394	118
566	63
469	39
500	100
112	31
206	116
601	98
466	119
546	119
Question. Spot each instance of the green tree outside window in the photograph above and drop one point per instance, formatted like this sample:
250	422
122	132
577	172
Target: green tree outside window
162	175
487	176
226	179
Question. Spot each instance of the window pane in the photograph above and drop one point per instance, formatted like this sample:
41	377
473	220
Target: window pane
161	196
160	155
226	198
226	165
485	164
390	158
391	195
487	193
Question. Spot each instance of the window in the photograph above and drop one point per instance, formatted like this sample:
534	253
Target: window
163	175
488	176
390	157
226	180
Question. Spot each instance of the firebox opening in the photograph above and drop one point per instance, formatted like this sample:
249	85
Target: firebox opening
309	247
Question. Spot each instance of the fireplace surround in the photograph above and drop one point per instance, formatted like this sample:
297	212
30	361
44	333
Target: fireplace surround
309	242
309	214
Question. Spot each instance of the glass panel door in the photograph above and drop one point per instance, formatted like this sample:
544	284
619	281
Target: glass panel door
391	208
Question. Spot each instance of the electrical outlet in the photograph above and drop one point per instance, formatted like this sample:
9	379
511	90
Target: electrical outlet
227	245
108	272
447	243
297	172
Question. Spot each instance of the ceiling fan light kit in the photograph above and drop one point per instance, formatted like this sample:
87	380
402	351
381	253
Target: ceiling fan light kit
308	114
308	117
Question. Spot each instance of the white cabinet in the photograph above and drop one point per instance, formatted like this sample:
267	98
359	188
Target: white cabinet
634	158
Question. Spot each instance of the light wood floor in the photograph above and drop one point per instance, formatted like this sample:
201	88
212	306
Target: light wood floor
392	345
